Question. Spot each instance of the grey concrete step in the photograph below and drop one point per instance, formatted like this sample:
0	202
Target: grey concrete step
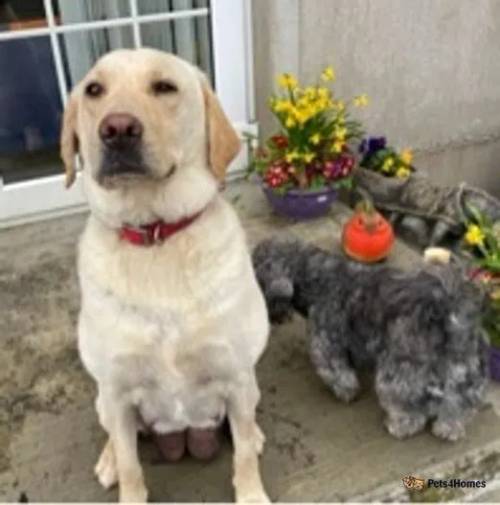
318	449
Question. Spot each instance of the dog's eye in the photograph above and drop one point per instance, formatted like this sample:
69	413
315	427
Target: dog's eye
94	89
163	87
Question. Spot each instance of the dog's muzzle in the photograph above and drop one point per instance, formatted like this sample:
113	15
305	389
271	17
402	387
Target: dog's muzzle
121	138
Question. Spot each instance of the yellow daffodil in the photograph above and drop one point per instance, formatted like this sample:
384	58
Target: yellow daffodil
474	236
402	172
303	102
340	133
310	92
293	155
287	81
406	156
361	100
308	157
323	93
315	139
388	164
337	146
282	106
301	115
320	105
328	74
305	111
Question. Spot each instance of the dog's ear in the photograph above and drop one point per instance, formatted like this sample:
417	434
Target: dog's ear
69	139
223	143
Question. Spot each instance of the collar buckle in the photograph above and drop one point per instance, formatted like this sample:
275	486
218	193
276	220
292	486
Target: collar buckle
154	233
156	236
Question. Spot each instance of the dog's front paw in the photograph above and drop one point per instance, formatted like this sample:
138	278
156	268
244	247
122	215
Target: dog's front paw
136	493
404	426
346	386
105	469
255	496
448	430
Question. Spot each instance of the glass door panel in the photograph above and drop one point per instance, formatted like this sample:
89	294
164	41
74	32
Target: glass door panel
187	37
160	6
47	46
22	15
81	49
83	11
31	110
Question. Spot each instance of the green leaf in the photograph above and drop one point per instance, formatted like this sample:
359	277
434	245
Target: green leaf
318	181
346	182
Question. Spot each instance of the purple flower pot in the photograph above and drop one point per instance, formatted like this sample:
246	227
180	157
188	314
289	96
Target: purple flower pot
494	362
301	204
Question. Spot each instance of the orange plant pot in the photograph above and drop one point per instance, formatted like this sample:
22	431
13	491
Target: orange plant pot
367	236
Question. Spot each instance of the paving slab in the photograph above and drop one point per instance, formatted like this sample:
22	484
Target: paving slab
318	449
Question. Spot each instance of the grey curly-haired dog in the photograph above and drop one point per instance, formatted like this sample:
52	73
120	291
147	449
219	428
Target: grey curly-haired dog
420	330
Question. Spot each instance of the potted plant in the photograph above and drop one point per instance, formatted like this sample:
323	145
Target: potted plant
383	171
385	160
482	238
302	165
367	236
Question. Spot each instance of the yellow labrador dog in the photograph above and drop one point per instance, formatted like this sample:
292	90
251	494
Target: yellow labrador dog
172	321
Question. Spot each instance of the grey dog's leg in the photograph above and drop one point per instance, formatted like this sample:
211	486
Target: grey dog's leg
465	372
451	416
329	356
400	385
463	394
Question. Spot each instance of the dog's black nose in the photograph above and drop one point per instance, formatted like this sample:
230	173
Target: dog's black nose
120	130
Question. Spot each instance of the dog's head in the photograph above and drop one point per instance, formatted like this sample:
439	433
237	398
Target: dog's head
274	278
149	130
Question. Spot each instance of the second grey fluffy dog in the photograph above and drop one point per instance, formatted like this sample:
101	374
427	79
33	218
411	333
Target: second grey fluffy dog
420	330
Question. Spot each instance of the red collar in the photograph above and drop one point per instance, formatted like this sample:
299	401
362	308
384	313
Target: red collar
154	233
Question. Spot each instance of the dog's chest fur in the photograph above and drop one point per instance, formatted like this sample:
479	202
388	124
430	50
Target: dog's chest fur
173	388
159	323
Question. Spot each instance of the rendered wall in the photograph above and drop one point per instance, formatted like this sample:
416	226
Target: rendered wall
430	67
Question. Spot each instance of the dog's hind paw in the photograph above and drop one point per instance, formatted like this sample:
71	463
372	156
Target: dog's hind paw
257	496
448	430
105	469
404	426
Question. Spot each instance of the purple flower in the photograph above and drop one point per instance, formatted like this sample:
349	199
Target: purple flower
376	143
371	145
362	146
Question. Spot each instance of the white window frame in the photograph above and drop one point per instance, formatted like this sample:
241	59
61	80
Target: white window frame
45	197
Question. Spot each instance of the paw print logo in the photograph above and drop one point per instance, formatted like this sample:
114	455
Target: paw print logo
414	483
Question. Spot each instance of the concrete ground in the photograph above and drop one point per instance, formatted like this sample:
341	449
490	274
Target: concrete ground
318	449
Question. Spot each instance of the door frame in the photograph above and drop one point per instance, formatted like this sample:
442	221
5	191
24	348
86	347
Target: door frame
230	20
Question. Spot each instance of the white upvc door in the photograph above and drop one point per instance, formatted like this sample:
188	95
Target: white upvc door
228	55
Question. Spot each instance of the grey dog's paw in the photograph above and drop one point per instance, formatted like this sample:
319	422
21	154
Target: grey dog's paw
403	425
448	430
345	386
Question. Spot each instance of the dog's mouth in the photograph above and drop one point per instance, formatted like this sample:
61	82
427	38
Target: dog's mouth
124	169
